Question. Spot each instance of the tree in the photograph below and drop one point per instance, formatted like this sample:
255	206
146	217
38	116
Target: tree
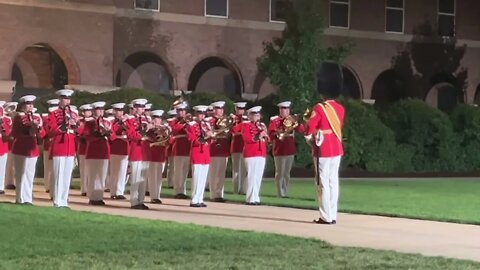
292	61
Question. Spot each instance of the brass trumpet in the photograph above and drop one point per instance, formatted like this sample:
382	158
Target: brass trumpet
289	124
223	125
162	135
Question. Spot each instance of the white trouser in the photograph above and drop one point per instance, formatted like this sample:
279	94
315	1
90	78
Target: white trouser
118	174
155	171
62	174
83	174
137	182
47	169
180	173
97	173
170	168
24	175
147	176
216	176
283	166
108	181
327	187
255	167
199	179
3	164
239	174
10	171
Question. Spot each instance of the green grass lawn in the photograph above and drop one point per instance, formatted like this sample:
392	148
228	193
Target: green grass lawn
48	238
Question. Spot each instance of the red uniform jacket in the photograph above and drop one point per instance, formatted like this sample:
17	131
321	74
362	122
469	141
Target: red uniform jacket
220	147
236	145
46	140
81	139
285	147
98	145
120	145
63	143
253	147
200	153
158	153
139	147
331	146
24	139
180	143
5	127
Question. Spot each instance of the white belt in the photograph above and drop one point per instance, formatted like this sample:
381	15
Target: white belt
180	136
237	134
123	137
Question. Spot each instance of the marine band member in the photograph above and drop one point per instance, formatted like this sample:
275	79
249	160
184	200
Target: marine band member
5	128
239	171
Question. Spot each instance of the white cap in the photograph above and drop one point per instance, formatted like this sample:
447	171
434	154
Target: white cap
200	108
210	108
255	109
285	104
172	112
64	92
2	103
218	104
157	113
86	107
99	104
28	98
73	107
109	111
240	104
181	106
130	105
34	110
139	101
148	106
53	108
10	103
118	106
54	101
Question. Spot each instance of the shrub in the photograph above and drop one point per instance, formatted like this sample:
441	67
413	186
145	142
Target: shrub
466	125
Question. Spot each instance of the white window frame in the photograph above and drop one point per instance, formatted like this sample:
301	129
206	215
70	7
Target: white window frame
270	15
216	16
448	14
146	9
330	13
403	17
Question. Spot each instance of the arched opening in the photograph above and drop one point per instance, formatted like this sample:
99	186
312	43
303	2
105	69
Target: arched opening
444	96
145	70
263	87
39	69
337	80
216	75
477	96
388	87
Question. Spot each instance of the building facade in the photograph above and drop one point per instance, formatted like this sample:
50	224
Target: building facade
212	45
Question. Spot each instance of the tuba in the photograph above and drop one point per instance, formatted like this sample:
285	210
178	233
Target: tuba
289	124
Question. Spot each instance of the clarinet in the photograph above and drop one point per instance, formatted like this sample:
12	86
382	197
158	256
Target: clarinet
33	129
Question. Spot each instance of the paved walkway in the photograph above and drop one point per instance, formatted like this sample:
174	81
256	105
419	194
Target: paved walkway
403	235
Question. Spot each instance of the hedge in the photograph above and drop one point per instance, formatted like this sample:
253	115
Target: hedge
407	136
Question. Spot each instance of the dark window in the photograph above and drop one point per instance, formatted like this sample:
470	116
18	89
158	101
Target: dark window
446	17
339	13
394	16
216	8
278	10
147	4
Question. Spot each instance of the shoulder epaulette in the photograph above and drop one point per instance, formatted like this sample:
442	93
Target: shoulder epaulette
274	117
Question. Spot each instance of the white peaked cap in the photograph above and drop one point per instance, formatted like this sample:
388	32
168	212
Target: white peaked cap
2	103
158	113
34	110
172	112
86	107
210	107
219	104
110	111
51	109
130	105
200	108
64	92
255	109
28	98
98	104
139	101
148	106
54	101
240	104
10	103
182	106
284	104
118	106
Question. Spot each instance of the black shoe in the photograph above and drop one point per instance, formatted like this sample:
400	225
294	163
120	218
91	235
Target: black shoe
197	205
203	205
140	207
47	191
334	221
121	197
98	203
147	193
250	203
256	203
222	200
107	190
27	203
156	201
321	221
181	196
10	187
84	194
207	190
2	192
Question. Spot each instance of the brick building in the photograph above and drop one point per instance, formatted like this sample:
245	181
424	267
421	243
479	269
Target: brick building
212	45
